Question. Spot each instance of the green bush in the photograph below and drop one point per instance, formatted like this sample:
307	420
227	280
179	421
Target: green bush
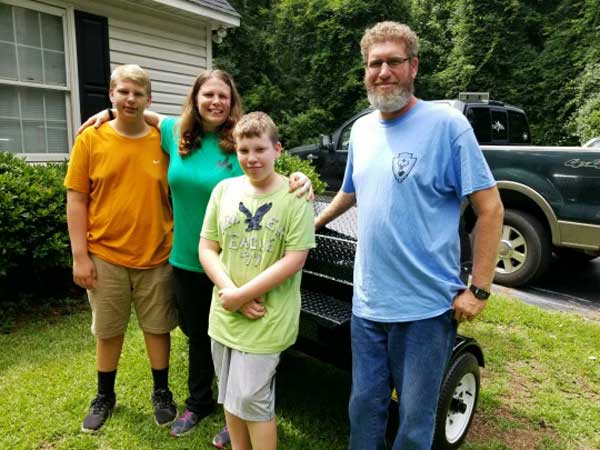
34	242
585	121
287	164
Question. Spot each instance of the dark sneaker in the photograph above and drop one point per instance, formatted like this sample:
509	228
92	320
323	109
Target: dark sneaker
165	410
221	439
185	423
100	410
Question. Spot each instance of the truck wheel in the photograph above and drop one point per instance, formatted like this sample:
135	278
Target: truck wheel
525	250
458	399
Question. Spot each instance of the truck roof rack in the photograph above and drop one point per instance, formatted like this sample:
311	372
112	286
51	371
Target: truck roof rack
470	96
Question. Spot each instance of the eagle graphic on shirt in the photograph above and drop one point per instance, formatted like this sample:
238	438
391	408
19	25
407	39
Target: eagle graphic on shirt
253	221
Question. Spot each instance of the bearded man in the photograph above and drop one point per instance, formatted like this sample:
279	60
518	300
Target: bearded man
410	165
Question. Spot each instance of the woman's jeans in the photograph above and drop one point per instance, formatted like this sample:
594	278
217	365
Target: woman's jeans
412	356
193	291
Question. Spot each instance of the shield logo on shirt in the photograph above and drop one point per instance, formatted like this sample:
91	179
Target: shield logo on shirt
402	164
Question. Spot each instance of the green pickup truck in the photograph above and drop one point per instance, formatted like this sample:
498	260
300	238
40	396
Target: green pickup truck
551	195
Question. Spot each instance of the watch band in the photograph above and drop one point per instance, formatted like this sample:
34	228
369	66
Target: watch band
480	294
111	116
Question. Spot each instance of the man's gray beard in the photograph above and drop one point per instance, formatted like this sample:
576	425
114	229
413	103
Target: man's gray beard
391	102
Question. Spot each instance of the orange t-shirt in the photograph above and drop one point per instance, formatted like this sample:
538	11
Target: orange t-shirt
130	222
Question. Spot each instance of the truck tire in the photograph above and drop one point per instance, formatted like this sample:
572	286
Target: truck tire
525	249
458	400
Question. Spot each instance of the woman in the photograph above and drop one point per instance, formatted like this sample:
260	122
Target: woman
201	150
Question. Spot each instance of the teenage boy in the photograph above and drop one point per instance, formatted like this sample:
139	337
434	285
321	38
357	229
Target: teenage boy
253	245
120	226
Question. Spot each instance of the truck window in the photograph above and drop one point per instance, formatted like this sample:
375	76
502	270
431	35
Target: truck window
480	121
499	125
345	139
518	128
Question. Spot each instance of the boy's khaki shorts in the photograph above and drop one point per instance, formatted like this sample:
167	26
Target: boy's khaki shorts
150	290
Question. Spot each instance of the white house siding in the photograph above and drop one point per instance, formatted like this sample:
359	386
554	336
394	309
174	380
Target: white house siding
169	38
173	49
173	60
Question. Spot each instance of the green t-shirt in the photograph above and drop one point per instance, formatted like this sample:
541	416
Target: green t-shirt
254	231
191	180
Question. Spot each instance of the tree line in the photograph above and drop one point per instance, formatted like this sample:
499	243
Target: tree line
299	60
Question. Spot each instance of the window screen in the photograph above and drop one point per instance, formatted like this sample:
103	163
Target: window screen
33	118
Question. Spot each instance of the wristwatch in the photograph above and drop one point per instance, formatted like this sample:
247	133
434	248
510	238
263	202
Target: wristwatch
480	294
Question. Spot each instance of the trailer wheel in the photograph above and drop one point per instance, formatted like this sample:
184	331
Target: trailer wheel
458	400
525	250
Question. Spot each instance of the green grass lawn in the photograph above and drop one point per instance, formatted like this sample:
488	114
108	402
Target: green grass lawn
540	388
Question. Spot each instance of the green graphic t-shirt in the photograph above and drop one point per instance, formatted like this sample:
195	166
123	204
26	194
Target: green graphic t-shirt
254	231
191	180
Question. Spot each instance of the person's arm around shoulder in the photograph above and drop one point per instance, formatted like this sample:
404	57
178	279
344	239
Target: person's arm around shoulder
152	118
84	269
300	185
488	229
341	203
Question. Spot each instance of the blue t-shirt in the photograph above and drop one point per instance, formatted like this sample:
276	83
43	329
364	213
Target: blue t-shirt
191	180
410	175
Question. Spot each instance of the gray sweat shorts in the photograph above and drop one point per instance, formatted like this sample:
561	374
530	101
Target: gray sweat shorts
246	382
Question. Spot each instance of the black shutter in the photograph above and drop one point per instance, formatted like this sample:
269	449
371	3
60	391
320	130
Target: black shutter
93	63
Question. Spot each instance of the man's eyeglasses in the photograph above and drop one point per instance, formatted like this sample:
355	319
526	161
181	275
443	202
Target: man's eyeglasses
393	63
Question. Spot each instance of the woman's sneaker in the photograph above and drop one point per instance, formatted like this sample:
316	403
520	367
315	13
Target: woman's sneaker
221	439
165	410
185	423
100	410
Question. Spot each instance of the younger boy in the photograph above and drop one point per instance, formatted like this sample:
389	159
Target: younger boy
120	226
254	242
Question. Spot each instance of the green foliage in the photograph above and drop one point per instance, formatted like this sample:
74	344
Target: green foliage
34	242
287	164
299	60
296	127
585	121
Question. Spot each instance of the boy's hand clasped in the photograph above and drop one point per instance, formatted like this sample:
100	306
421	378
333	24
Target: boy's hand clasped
230	298
254	309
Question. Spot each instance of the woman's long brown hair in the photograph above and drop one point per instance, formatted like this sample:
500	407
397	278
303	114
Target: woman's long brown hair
190	126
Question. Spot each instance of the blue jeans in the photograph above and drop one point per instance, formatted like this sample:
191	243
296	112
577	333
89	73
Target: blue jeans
409	355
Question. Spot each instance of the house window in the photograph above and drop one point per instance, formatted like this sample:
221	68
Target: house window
33	82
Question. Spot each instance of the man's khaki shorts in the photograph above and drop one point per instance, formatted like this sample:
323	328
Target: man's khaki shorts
150	290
